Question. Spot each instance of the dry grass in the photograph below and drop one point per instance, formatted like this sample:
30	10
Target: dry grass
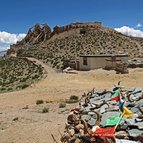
18	73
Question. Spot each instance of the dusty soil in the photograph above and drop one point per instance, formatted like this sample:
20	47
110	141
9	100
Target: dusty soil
22	121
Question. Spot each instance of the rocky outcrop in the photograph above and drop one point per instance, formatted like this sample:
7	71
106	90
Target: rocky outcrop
42	32
38	33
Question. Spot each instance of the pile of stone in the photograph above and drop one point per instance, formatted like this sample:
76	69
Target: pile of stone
136	62
96	109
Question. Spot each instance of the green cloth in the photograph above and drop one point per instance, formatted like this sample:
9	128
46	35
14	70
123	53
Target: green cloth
116	93
112	121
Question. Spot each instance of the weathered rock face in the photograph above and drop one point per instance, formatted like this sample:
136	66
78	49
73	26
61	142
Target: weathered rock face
42	32
38	33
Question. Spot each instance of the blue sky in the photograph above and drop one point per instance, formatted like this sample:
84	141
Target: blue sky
17	16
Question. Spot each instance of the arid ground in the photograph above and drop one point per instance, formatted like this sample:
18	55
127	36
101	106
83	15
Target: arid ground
22	121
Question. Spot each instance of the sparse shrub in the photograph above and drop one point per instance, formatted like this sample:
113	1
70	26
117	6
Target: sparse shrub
45	110
23	80
24	86
15	119
35	77
73	99
39	102
9	89
3	89
62	105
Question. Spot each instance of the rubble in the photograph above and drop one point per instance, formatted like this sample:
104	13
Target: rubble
98	110
135	62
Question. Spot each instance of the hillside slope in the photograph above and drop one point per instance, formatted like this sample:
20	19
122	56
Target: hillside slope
71	41
18	73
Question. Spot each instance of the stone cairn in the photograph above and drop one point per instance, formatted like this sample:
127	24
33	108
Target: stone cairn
95	108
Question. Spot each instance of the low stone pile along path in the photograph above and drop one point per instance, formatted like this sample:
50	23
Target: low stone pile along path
98	110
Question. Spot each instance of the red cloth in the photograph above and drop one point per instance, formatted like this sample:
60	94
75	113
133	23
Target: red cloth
117	98
104	132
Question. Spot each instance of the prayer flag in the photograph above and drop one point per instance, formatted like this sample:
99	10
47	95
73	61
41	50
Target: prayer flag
112	121
116	95
121	105
127	113
104	132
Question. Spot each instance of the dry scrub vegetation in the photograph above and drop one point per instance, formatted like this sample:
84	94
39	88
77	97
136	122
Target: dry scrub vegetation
18	73
71	46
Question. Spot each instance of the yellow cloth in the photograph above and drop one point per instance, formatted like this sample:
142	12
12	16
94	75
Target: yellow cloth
127	113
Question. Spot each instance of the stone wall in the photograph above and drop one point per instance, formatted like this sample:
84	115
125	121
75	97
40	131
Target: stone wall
91	25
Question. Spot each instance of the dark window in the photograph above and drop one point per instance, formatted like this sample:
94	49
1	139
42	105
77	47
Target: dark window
82	31
84	60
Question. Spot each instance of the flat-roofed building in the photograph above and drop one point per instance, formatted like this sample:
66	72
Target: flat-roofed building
90	62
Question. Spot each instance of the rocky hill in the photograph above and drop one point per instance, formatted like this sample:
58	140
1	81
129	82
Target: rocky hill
70	41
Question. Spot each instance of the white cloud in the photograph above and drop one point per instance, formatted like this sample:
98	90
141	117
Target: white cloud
4	47
139	25
130	31
6	39
20	36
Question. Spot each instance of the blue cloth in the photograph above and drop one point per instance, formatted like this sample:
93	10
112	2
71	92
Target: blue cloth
121	105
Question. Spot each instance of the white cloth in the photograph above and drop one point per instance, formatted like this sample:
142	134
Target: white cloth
125	141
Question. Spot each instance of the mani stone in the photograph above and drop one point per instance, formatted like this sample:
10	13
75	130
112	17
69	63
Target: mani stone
134	132
107	96
137	90
88	108
103	108
139	125
123	127
91	122
92	114
134	109
113	102
140	102
130	104
131	89
85	117
94	100
94	95
113	108
125	141
138	120
130	121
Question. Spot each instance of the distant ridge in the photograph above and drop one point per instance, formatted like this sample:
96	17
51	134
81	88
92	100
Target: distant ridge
2	53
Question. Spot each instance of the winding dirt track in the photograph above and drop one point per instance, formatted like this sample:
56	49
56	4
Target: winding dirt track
31	125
